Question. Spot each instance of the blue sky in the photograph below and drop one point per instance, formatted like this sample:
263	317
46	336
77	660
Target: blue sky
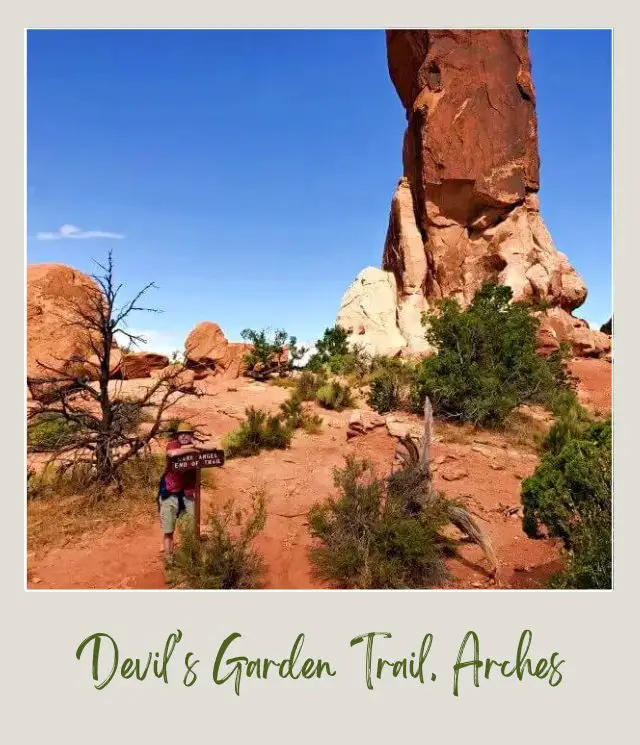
249	173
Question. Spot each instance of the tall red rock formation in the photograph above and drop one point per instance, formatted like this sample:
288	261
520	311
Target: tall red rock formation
466	210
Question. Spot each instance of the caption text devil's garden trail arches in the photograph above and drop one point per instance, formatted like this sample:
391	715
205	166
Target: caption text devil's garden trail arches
230	668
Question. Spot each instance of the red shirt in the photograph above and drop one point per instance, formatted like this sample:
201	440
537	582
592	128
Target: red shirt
177	481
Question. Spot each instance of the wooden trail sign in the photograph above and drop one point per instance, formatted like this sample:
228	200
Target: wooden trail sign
196	462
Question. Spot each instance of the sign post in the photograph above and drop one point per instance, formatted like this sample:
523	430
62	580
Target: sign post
196	461
197	505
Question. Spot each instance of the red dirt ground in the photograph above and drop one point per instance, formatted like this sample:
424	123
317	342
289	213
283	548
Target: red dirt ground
482	470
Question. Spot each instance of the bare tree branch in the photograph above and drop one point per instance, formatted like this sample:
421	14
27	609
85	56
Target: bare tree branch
108	424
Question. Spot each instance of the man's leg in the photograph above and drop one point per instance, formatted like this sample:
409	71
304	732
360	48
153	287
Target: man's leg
168	516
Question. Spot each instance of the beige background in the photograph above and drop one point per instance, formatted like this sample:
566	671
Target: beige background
49	696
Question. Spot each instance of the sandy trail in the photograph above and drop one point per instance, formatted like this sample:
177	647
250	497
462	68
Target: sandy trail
484	472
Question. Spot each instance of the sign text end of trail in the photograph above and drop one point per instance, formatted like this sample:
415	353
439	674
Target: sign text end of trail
202	459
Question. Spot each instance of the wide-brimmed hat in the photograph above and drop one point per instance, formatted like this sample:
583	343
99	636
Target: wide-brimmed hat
181	429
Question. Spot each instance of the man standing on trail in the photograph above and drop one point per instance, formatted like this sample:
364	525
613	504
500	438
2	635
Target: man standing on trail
179	491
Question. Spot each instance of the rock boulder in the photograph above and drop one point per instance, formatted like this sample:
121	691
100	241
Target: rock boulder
52	292
466	209
208	352
142	364
369	313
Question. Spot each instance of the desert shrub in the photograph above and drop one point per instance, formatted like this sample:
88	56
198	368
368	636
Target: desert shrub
334	395
357	364
390	384
570	495
487	362
292	411
297	417
224	558
340	365
142	473
137	479
334	356
284	382
366	539
332	347
385	394
312	424
259	431
572	422
590	560
308	384
271	353
573	478
59	480
51	432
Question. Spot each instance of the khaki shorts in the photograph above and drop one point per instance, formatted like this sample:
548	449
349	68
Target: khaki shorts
169	512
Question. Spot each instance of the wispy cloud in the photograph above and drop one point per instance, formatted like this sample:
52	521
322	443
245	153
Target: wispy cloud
75	233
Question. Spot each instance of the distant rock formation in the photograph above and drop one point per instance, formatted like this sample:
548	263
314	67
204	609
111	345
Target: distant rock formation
607	328
51	341
466	210
55	342
142	364
370	310
208	352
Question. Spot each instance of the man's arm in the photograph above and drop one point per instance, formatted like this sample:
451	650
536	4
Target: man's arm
185	450
193	448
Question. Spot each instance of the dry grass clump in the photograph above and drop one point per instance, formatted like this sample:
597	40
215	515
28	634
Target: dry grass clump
63	503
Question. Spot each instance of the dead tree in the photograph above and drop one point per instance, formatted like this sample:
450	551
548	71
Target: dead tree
78	390
414	481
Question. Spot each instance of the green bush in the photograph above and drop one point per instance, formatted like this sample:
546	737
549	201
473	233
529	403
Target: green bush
51	432
385	394
312	424
284	382
487	362
366	539
331	348
572	422
297	417
334	356
308	384
271	353
391	381
590	560
577	476
334	395
570	495
224	558
259	431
